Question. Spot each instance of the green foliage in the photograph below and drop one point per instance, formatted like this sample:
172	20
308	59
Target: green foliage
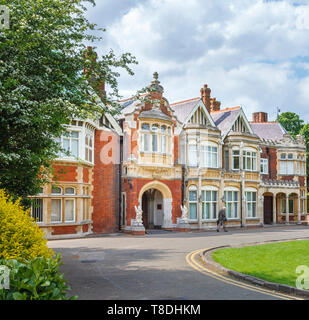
43	85
291	122
20	236
37	279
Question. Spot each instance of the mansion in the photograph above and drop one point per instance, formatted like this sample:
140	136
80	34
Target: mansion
173	166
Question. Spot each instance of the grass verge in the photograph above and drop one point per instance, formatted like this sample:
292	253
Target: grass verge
275	262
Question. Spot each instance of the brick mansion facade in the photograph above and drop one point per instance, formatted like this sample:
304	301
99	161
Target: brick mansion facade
173	166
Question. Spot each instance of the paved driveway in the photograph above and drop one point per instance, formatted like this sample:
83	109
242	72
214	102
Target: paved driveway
154	266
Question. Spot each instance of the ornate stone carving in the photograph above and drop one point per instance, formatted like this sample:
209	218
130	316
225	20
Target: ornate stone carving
184	213
139	215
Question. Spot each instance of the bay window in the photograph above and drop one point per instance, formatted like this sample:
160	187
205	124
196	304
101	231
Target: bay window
156	139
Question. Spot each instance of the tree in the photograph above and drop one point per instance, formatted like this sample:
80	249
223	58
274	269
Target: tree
291	122
43	85
305	132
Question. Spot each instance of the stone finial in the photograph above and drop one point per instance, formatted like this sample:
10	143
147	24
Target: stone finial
155	84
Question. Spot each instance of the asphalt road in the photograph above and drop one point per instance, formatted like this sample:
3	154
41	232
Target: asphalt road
154	266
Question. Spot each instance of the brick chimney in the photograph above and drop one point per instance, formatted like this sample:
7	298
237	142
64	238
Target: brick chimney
259	117
214	105
97	84
205	94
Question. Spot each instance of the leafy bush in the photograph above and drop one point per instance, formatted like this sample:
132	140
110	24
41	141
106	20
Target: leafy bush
20	236
37	279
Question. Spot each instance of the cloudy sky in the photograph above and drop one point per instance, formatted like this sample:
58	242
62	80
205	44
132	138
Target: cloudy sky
252	53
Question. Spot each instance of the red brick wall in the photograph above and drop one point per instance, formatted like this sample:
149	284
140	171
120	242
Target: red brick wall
272	163
86	175
65	173
64	230
106	196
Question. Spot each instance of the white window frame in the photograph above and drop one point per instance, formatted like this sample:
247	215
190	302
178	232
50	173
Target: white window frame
74	210
251	156
193	188
233	159
192	155
264	166
61	215
70	138
89	149
207	151
234	204
213	203
251	202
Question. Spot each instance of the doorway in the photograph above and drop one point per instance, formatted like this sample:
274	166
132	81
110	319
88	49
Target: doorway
268	209
152	206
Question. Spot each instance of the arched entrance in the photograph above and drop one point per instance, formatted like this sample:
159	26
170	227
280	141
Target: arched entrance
156	200
152	206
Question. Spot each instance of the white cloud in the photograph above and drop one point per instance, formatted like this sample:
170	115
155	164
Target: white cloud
251	52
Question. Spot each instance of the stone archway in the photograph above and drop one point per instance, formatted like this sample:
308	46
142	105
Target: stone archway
151	196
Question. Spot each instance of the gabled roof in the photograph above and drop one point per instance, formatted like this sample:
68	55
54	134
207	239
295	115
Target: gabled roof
184	108
268	130
225	118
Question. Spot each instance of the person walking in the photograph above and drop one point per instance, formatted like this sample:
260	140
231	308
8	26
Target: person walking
221	220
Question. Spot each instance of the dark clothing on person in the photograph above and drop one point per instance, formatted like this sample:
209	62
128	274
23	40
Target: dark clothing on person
221	220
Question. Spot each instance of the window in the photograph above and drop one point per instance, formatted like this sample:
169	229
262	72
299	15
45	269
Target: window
193	203
154	143
56	210
157	140
249	160
37	210
70	144
192	155
89	148
236	159
283	205
56	190
209	156
209	204
231	203
264	166
69	190
251	204
69	210
287	167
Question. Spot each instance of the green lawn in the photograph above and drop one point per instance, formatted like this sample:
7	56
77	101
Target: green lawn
274	262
